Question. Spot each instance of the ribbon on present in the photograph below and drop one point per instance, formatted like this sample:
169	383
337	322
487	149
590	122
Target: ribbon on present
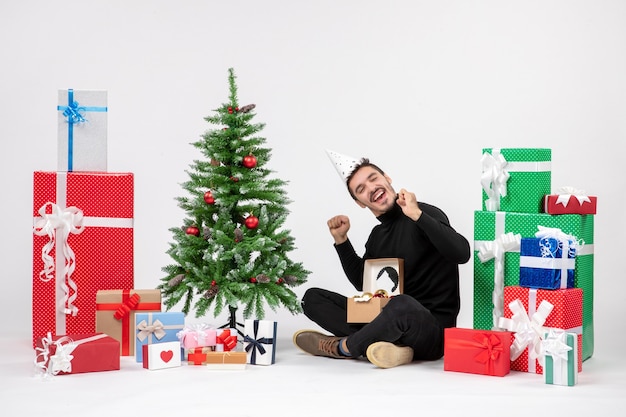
50	363
569	244
201	334
146	330
366	296
559	357
74	114
227	355
495	250
197	356
489	349
122	312
528	327
226	340
256	343
58	225
129	303
567	192
494	178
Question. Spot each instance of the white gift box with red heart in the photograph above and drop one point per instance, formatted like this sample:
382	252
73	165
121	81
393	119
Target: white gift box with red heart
161	355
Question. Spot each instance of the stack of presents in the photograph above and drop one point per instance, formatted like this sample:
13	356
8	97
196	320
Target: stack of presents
86	313
533	274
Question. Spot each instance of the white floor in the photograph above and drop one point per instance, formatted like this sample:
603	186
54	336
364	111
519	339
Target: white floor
302	385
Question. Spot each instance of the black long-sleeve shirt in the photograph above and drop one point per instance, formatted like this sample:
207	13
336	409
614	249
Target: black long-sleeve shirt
431	249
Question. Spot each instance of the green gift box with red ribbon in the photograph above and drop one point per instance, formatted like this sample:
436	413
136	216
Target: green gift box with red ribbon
116	310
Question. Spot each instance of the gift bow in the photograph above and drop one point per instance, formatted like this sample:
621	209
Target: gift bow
255	343
528	330
127	306
61	360
565	193
73	111
196	330
494	178
228	340
65	221
145	329
491	348
568	243
555	344
495	250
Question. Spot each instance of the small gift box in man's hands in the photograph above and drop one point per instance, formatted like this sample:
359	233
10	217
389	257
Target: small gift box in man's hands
383	278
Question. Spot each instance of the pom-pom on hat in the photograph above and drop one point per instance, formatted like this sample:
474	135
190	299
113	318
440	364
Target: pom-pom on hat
343	164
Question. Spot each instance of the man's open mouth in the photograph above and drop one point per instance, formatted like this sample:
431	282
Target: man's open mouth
377	195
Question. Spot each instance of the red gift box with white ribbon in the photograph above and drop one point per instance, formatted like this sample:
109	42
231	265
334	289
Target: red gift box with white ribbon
82	243
529	313
76	353
569	200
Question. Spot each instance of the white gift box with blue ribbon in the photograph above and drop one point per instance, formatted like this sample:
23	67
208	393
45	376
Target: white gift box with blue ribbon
82	130
259	341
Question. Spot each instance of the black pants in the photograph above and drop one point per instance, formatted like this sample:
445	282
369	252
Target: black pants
403	321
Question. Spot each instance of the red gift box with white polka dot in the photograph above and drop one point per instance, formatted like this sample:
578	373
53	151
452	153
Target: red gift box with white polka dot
567	314
82	243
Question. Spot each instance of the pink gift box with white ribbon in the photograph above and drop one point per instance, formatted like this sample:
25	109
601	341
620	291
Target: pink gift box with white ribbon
197	335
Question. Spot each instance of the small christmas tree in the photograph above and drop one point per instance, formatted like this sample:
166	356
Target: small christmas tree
231	250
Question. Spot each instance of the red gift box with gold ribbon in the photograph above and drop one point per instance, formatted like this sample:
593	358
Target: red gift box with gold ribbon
82	243
115	314
476	351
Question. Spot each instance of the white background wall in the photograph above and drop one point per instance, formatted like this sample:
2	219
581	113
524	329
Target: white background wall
418	86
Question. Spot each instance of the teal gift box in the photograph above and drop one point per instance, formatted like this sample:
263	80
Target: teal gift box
152	328
560	350
515	179
488	226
